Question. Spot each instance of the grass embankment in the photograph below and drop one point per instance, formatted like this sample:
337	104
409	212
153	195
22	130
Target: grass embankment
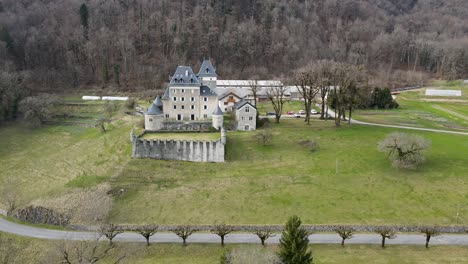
417	109
38	251
346	181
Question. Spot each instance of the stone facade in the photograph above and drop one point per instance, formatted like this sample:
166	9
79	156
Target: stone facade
186	150
246	116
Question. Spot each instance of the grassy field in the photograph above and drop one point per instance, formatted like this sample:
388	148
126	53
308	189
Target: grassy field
295	106
419	110
182	136
89	173
35	251
266	184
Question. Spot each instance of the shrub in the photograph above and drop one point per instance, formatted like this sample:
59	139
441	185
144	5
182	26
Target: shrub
405	150
37	109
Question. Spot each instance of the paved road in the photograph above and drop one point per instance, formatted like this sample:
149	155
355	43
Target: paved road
354	121
244	238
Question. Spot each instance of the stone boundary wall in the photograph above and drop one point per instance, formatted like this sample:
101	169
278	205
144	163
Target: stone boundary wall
186	126
186	150
279	228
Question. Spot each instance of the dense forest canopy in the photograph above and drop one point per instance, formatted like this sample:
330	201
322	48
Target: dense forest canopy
136	44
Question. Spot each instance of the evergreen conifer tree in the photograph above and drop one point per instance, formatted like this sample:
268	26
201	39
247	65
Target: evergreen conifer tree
84	19
294	242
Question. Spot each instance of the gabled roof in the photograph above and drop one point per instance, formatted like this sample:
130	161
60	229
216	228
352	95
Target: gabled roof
217	110
154	110
207	69
242	103
228	93
158	101
184	76
206	91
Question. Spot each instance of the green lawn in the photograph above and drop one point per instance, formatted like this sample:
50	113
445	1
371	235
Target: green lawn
295	106
182	136
266	184
419	110
38	251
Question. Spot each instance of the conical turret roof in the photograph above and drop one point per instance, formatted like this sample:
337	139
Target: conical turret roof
158	101
217	110
154	110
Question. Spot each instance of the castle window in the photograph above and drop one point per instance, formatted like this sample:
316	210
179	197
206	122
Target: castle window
183	90
192	117
191	81
207	70
182	106
182	99
175	106
250	118
205	116
179	117
242	118
205	107
205	99
174	90
247	109
192	107
167	115
151	119
174	99
193	98
225	103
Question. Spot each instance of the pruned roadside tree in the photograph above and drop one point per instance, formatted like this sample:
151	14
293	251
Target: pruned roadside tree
184	231
404	150
111	231
263	233
147	231
386	233
294	243
276	95
345	232
86	252
222	231
429	232
307	83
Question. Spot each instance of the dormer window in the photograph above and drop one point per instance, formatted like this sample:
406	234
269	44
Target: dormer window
207	70
191	80
247	109
186	73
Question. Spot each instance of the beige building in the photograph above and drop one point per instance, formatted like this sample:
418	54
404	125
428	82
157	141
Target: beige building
187	98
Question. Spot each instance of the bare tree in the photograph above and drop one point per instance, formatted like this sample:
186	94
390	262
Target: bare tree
307	83
254	89
276	95
10	195
147	231
345	232
385	232
263	233
184	232
264	136
111	231
222	230
429	232
405	150
85	252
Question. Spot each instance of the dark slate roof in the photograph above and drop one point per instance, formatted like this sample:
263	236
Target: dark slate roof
206	91
229	93
158	101
241	103
154	110
166	94
184	76
207	69
217	110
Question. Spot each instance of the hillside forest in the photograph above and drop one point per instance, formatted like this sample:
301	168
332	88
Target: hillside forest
134	45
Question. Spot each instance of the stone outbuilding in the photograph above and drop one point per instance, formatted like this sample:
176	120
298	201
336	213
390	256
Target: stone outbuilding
246	116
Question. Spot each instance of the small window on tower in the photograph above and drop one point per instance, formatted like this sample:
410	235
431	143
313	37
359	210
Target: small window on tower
205	107
247	109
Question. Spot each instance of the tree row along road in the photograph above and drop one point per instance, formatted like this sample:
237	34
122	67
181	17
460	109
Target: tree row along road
240	238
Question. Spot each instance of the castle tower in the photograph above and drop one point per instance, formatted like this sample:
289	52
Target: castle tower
154	118
217	117
158	103
207	74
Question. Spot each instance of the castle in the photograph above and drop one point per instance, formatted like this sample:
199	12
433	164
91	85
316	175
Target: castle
191	102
